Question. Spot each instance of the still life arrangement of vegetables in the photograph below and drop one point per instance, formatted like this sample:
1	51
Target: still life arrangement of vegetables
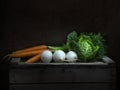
85	47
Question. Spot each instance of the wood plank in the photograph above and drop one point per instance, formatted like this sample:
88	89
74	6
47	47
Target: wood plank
62	87
40	75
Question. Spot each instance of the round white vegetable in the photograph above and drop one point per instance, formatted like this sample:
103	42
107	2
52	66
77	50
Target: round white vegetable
59	55
46	56
71	55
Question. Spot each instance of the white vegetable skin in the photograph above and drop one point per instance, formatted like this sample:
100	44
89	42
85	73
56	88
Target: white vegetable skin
46	56
59	55
71	55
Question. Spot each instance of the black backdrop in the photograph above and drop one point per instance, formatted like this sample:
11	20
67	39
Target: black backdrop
27	23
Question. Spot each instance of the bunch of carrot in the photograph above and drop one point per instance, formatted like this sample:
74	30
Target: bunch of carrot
33	52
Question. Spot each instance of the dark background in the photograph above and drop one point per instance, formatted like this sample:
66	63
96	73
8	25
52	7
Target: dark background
26	23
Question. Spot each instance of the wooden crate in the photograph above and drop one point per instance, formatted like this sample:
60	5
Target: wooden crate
62	76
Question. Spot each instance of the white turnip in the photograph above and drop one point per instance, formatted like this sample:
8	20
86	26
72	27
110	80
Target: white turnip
59	55
46	56
71	55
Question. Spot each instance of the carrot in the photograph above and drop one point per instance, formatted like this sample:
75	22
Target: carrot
33	59
26	54
34	48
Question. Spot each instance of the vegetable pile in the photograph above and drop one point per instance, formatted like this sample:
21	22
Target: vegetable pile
85	47
88	46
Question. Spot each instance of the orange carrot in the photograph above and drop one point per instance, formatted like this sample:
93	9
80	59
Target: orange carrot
26	54
34	59
41	47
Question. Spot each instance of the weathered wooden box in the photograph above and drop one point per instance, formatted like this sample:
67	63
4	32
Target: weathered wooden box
62	76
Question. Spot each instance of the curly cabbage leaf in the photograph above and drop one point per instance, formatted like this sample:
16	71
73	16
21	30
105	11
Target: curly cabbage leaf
89	47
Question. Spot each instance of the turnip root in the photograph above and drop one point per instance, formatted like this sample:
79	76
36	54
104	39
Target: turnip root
59	55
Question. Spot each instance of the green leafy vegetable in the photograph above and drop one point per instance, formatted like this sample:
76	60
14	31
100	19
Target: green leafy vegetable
88	46
98	40
63	47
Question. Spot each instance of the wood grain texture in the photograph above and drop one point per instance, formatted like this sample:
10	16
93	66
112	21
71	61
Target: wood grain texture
57	76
